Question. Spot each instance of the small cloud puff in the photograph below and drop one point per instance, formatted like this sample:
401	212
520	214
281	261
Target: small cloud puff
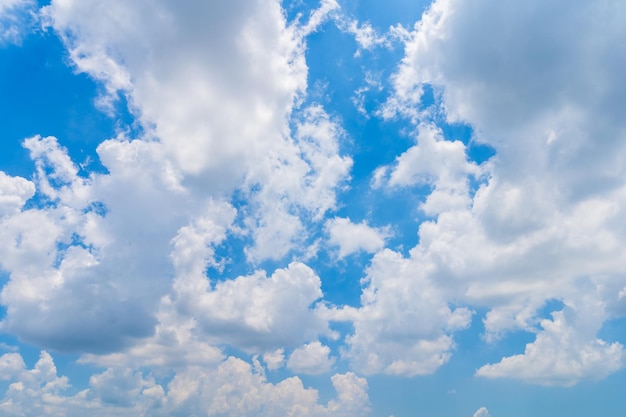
482	412
312	359
354	237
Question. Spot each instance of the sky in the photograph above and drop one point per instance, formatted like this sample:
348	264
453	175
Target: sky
318	208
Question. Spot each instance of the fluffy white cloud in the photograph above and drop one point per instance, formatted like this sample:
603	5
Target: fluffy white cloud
436	162
10	365
352	398
539	227
564	352
176	343
234	390
312	358
275	359
114	265
37	391
218	93
14	192
89	268
78	263
257	312
352	237
306	184
404	324
231	388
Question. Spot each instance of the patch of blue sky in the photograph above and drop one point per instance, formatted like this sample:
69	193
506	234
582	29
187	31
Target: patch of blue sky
382	14
335	75
40	94
613	330
550	306
341	277
512	399
4	278
454	391
298	10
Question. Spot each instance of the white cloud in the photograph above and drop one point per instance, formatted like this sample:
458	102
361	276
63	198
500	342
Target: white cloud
564	352
221	110
11	364
352	237
482	412
404	324
275	359
176	343
540	227
14	192
257	312
116	386
232	388
436	162
364	34
306	184
312	358
114	265
352	398
78	264
37	390
319	16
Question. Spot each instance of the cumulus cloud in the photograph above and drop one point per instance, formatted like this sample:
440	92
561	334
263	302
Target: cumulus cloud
231	388
294	188
114	265
217	118
564	352
221	111
275	359
73	284
312	358
435	162
10	365
404	324
14	192
539	227
257	312
354	237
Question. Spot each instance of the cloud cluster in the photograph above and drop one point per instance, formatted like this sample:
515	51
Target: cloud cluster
120	266
113	265
404	324
544	223
233	388
218	119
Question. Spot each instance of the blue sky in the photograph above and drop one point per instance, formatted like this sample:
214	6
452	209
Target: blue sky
312	208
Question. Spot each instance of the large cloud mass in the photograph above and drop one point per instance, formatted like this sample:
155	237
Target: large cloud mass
540	82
